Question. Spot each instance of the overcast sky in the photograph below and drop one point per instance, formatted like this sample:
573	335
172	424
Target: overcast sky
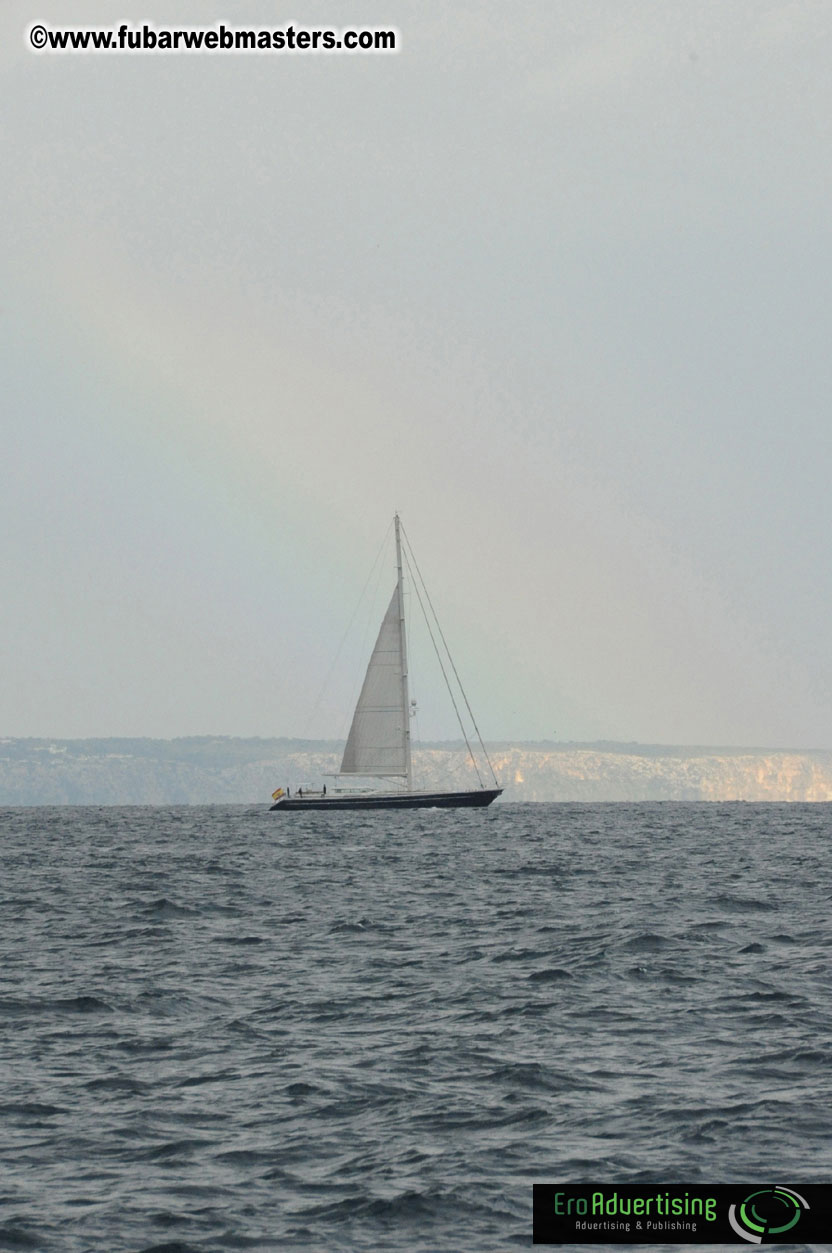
553	281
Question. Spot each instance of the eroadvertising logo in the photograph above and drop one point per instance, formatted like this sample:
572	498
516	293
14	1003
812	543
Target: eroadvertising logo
603	1213
767	1213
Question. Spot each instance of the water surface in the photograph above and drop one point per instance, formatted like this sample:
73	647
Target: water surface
223	1028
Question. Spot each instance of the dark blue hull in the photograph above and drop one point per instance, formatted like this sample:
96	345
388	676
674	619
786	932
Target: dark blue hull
401	800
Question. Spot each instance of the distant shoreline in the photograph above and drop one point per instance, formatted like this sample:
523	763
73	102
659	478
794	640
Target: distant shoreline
238	770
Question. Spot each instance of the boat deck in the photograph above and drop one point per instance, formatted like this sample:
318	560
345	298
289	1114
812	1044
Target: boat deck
478	798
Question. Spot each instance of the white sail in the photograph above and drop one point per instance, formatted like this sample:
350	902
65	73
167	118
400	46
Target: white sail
378	739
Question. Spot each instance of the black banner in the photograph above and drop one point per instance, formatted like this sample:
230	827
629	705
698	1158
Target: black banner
682	1213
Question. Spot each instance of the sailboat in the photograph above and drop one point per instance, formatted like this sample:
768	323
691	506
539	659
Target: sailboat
378	744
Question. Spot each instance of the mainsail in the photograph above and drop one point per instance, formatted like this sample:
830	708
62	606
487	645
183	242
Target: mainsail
377	742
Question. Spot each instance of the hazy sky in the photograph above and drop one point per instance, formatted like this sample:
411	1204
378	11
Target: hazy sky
553	281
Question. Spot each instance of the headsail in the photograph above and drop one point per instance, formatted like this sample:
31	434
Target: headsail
377	742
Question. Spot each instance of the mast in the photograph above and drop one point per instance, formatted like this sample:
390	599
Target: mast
403	639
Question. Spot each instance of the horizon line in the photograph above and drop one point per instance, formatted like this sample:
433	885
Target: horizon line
492	742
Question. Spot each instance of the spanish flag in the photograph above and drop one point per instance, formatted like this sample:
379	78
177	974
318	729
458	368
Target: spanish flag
277	795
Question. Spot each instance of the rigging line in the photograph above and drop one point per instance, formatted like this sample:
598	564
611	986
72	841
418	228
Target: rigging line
349	627
450	658
413	720
441	666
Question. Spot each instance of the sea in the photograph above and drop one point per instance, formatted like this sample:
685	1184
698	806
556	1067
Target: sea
223	1028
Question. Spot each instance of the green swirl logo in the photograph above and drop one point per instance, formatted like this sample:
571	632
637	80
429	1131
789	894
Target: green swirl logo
766	1215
